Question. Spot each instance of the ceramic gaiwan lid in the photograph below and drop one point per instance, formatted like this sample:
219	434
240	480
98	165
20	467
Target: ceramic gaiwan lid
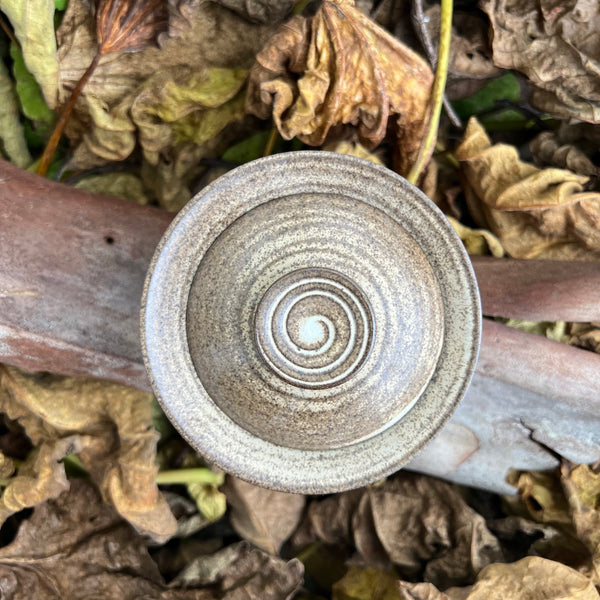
310	321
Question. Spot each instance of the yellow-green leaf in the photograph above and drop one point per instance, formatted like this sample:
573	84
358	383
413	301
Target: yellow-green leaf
33	23
366	584
33	105
210	501
12	137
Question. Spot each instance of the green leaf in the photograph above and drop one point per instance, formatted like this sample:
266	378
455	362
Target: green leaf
33	24
61	4
12	136
503	88
30	94
204	105
249	149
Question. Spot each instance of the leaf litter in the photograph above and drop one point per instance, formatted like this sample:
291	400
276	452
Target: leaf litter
206	82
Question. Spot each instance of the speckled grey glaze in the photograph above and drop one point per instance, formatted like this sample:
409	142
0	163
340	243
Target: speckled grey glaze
310	321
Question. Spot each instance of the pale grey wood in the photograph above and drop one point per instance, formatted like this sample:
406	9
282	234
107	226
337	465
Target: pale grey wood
530	400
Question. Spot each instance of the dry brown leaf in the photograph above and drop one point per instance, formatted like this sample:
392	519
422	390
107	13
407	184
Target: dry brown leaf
568	506
554	43
425	525
89	552
535	213
531	578
470	53
174	101
241	572
260	11
418	524
420	591
585	335
76	547
520	537
582	489
339	68
329	521
107	425
264	517
540	495
7	466
548	149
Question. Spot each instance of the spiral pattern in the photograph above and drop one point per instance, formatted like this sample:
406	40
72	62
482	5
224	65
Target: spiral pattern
314	328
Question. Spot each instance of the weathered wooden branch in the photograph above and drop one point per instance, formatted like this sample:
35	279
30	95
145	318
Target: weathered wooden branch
72	267
539	290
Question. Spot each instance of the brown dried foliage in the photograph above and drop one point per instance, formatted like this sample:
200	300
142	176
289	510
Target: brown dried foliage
107	425
535	213
122	26
555	43
340	68
89	552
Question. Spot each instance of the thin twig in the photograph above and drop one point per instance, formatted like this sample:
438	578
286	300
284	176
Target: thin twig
50	148
437	92
418	22
271	141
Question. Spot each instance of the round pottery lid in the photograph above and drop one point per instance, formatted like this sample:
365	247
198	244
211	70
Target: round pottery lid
310	321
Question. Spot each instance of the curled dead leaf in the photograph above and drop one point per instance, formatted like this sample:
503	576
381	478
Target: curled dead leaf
581	484
533	212
548	149
174	101
470	53
424	525
540	495
339	68
89	552
568	505
107	425
585	335
528	579
354	149
420	525
556	45
264	517
241	572
477	241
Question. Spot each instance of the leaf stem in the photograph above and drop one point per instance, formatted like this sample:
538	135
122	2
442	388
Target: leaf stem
9	32
271	141
437	92
50	148
186	476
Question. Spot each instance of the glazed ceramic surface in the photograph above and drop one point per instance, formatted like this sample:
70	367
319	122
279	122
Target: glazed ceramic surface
310	321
